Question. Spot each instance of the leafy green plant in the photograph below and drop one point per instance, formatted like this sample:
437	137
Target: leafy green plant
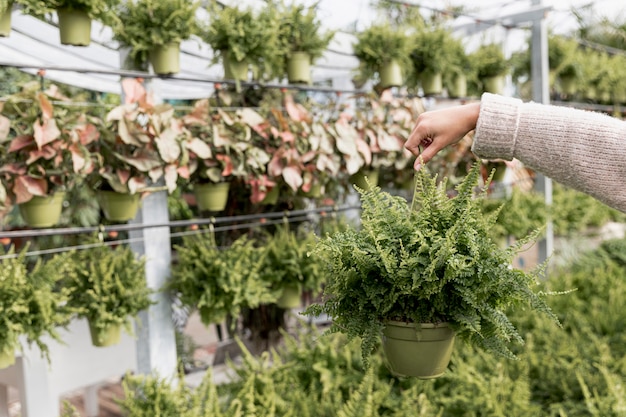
429	262
519	214
30	303
430	50
380	44
490	61
107	286
300	30
143	24
219	283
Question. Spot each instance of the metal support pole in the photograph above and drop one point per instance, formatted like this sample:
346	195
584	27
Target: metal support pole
541	84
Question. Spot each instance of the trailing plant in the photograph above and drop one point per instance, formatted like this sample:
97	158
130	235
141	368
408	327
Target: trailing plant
430	50
31	303
219	282
143	24
107	286
431	261
490	61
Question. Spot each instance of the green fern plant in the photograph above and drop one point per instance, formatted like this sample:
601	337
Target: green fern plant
430	261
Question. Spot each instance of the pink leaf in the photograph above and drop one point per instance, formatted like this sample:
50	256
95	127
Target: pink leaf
21	142
26	187
275	166
228	165
171	175
134	91
168	145
293	177
78	160
45	105
144	160
123	175
199	147
46	132
365	150
5	127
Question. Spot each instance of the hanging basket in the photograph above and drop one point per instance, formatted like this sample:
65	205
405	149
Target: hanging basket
234	70
118	207
299	68
108	336
493	84
211	196
457	88
390	75
358	179
165	59
7	359
422	352
5	23
42	211
290	298
431	83
74	27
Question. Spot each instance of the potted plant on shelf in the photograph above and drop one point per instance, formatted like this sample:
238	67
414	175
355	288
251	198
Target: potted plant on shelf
32	304
154	29
301	40
428	271
384	51
107	287
75	18
241	38
491	67
46	152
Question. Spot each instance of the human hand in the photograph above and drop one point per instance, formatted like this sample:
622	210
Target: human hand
436	129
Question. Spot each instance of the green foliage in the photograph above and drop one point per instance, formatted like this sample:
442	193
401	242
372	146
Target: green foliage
490	61
430	50
433	261
106	285
30	304
219	282
142	24
378	45
102	10
300	30
519	215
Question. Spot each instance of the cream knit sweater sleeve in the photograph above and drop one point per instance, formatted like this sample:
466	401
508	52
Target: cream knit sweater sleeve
581	149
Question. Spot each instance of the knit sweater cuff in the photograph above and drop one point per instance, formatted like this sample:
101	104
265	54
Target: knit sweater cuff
496	129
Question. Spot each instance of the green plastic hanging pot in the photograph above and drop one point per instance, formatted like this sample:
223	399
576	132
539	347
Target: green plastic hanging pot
290	298
390	74
42	211
5	23
165	59
493	84
211	196
431	83
118	207
7	358
422	352
107	336
299	68
74	27
458	86
358	179
234	70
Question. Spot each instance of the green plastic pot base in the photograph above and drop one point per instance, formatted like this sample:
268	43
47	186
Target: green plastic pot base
493	85
165	59
299	68
391	75
118	207
105	337
211	197
290	298
234	70
358	179
5	24
422	353
432	83
458	86
74	27
42	211
7	359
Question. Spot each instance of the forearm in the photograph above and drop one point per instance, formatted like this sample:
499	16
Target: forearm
580	149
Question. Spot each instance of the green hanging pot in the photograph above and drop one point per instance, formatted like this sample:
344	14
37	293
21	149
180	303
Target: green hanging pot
234	70
42	211
118	207
165	59
358	179
422	352
493	84
391	74
299	68
107	336
211	196
74	27
431	83
569	85
5	22
7	358
457	88
290	297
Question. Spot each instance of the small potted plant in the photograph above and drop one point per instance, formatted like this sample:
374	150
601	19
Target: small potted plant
46	152
383	51
301	40
491	66
31	303
153	30
427	270
107	287
241	38
431	56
